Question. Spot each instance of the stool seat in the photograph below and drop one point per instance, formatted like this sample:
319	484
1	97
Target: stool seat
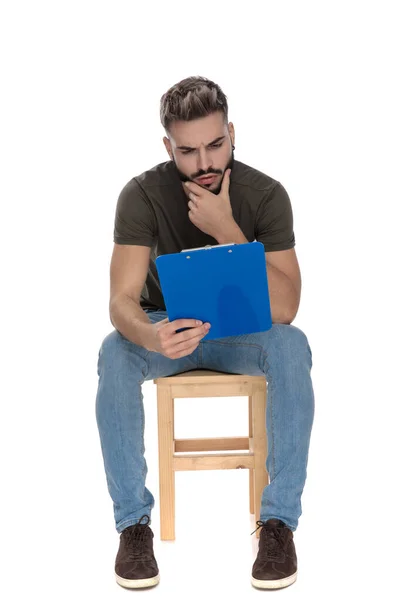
189	454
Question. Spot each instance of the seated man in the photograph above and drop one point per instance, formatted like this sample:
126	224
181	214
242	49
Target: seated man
201	196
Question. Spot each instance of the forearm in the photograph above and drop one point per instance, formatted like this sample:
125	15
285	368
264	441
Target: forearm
281	291
130	319
282	295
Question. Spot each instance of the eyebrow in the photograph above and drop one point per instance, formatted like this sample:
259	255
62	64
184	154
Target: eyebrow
218	139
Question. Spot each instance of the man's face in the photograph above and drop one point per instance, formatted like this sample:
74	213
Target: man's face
202	147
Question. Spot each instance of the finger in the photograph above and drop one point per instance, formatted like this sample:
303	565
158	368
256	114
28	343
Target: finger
159	325
184	347
225	182
194	188
175	339
190	334
192	205
188	346
176	342
186	352
180	323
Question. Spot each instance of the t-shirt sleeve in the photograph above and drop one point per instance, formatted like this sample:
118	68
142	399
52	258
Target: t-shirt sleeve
274	221
135	221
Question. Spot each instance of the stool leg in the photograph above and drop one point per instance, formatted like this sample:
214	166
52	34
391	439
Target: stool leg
251	471
259	403
165	412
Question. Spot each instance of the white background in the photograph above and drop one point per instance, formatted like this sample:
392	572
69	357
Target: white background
313	93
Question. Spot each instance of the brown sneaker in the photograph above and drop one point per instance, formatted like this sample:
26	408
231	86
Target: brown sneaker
135	564
276	562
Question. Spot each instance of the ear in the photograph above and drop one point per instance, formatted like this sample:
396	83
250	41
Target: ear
231	130
167	145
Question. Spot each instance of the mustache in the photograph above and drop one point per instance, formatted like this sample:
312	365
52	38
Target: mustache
203	173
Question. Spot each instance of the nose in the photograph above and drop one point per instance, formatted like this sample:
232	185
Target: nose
204	160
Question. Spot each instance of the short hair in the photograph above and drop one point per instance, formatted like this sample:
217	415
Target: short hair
192	98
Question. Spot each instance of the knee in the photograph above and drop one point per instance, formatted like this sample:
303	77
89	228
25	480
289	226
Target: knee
290	343
109	350
116	352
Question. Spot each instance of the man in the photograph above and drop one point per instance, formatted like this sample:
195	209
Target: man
201	196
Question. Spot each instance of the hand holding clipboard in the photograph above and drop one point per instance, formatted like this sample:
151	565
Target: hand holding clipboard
172	342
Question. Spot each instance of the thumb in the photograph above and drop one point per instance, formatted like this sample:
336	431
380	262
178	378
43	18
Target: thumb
162	322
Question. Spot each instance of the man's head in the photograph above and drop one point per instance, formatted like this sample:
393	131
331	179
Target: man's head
194	114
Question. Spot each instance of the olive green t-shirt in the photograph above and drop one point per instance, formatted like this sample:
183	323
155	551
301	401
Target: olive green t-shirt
152	210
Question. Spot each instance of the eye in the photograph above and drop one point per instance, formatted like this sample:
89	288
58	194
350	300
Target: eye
213	146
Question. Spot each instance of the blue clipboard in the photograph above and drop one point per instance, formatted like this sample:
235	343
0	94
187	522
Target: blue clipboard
225	285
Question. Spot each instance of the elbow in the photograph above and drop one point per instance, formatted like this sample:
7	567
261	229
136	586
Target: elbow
283	320
111	313
289	315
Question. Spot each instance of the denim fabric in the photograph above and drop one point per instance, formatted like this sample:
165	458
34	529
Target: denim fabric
281	354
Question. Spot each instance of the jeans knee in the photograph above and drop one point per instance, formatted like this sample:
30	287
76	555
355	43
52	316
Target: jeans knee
291	343
108	350
116	352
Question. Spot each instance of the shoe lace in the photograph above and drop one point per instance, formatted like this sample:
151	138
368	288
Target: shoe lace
135	537
273	544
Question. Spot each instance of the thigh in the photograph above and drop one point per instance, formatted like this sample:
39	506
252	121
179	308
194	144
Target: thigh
118	353
250	354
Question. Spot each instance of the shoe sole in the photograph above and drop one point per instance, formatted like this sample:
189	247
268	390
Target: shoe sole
273	584
137	583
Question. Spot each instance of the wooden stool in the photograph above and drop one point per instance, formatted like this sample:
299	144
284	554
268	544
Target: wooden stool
171	452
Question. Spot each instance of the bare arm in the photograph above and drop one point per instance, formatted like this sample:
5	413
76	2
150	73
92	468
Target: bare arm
284	280
128	272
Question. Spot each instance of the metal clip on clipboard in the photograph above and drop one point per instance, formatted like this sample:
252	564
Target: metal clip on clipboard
208	247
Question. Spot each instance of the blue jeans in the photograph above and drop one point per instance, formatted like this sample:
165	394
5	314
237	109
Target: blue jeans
282	354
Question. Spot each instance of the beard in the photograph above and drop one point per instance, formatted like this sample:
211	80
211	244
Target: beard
217	190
